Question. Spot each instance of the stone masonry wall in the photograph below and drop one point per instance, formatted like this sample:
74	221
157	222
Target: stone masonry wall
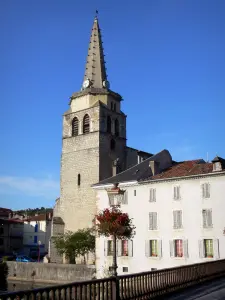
55	273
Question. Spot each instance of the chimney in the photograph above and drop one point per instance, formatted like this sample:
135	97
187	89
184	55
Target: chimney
154	165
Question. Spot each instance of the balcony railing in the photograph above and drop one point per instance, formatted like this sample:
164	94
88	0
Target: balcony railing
146	285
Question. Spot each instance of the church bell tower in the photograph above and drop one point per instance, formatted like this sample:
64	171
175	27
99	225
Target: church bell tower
94	138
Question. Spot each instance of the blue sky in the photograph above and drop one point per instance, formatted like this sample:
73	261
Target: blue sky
166	58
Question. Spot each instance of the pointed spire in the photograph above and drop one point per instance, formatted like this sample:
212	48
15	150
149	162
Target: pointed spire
95	71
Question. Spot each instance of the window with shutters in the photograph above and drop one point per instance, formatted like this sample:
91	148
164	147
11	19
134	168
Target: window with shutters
124	247
75	126
152	195
86	124
205	190
110	248
207	218
109	124
117	128
153	221
153	248
177	219
208	247
176	192
178	248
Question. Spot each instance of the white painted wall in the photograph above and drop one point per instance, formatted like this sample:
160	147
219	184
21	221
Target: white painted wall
29	233
191	204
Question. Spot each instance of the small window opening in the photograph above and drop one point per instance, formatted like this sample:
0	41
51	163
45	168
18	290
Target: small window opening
117	130
78	179
135	193
125	269
109	124
112	144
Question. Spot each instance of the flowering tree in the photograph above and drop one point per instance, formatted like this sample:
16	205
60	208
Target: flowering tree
113	222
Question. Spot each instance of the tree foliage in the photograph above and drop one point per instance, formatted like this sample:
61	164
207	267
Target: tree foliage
74	244
33	211
113	221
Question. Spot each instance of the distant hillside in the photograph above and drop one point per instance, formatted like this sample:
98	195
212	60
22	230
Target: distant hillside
33	211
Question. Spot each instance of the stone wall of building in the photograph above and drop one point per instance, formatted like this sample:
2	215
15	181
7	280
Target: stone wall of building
55	273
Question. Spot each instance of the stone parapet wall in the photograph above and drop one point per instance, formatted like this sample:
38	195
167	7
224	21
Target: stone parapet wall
55	273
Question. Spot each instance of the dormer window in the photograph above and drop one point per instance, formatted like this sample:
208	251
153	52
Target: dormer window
218	163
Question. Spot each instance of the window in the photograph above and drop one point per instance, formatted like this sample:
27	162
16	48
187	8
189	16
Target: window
1	242
86	124
111	105
176	192
135	193
205	190
207	218
152	195
36	227
152	220
177	219
125	269
178	248
112	144
124	247
75	126
35	239
78	179
110	248
153	248
114	107
117	128
209	248
1	230
109	124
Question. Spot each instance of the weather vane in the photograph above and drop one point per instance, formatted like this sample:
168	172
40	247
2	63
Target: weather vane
96	13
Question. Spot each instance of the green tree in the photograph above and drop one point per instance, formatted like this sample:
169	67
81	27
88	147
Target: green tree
74	244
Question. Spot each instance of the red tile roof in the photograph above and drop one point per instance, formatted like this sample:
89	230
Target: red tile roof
185	168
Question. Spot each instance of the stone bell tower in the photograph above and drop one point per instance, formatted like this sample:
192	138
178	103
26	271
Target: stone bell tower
94	137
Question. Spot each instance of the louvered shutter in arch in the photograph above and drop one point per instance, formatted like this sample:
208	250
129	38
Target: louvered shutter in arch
86	124
75	126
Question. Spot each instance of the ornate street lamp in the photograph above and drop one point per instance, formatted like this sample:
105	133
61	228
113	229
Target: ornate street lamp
115	199
115	195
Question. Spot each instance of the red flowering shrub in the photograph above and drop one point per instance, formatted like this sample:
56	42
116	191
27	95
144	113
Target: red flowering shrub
114	222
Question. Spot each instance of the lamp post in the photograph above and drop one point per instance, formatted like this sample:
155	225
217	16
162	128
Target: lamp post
39	245
115	198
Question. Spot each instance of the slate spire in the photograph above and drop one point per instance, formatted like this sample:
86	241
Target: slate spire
95	70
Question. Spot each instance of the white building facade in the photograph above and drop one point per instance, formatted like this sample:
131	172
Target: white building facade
178	213
37	233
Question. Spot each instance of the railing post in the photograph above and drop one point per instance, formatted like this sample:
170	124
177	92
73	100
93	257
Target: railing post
115	288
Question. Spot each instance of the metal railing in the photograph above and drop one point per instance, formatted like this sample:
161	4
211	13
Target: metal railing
146	285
